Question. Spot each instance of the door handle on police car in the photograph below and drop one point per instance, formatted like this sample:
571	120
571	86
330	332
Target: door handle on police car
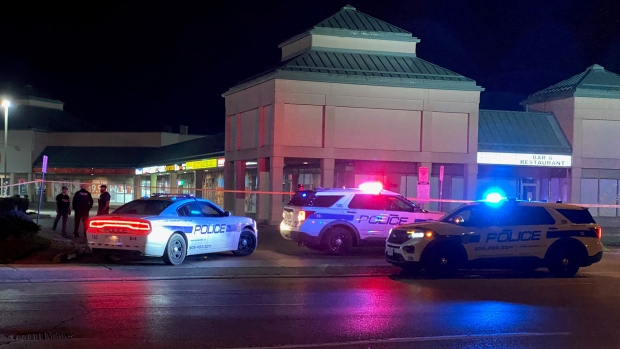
552	228
351	211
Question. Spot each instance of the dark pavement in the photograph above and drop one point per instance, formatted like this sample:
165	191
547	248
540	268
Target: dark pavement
484	310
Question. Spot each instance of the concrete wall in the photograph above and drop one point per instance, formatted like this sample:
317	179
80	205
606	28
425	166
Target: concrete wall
19	152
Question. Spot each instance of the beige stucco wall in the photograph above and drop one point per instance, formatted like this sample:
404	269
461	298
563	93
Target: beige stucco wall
387	123
19	152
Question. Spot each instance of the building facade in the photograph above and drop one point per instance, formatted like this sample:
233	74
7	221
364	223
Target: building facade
351	102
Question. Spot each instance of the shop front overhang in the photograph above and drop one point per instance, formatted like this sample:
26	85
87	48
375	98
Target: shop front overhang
524	159
86	171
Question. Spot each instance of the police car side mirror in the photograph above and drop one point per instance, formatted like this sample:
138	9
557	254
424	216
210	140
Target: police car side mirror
226	213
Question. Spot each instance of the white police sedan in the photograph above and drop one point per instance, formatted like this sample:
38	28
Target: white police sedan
172	227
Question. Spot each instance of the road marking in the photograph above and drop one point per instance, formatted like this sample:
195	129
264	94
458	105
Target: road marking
414	339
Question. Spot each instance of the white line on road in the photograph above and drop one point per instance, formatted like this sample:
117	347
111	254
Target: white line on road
415	339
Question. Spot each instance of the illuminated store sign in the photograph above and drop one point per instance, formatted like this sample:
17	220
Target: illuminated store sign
151	169
518	159
205	163
190	165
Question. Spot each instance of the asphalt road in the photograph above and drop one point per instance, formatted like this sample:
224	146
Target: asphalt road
485	310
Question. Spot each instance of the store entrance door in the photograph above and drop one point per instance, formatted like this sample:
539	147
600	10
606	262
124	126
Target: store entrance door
529	191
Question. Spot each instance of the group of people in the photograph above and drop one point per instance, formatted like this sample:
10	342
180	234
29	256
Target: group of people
82	203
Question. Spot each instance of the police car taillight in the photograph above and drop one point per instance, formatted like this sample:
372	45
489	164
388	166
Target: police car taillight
303	215
132	226
599	232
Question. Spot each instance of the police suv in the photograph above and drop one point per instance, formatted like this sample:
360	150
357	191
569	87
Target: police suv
520	235
336	219
172	227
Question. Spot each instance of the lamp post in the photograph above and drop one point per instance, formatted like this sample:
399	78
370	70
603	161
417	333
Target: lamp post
6	104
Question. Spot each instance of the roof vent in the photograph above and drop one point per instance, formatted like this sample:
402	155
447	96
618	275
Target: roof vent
349	7
596	67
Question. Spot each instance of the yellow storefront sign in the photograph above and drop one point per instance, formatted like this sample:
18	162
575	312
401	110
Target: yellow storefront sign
198	164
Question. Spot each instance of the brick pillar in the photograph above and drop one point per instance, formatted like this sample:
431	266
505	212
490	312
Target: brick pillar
276	174
327	172
263	209
240	185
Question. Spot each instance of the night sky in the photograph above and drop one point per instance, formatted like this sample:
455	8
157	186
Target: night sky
143	65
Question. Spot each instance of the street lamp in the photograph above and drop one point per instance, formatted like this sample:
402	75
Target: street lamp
6	104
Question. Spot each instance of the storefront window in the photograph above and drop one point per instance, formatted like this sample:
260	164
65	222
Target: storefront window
163	184
213	182
145	187
186	183
251	184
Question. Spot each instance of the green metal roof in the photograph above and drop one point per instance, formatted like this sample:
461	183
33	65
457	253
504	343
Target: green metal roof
521	132
200	148
594	82
352	23
96	157
349	18
364	68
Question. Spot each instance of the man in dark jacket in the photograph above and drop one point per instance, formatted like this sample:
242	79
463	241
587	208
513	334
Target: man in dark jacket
63	209
82	203
104	201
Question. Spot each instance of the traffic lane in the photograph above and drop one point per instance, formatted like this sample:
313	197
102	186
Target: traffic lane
277	312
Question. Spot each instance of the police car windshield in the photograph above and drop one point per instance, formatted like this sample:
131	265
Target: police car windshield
143	207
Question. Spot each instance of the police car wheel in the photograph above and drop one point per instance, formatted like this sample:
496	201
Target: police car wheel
442	260
564	262
176	250
338	241
247	244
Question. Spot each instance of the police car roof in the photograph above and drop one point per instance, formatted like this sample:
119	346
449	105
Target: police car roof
320	191
170	197
554	205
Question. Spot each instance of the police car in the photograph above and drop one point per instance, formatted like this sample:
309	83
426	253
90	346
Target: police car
500	234
172	227
336	219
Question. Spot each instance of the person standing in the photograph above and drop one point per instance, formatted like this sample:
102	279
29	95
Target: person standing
63	209
82	203
104	201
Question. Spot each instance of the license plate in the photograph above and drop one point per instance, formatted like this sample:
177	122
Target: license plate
390	251
113	240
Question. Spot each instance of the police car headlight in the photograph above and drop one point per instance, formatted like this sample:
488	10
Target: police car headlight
418	234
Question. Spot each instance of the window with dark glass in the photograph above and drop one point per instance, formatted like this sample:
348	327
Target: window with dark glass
581	216
145	207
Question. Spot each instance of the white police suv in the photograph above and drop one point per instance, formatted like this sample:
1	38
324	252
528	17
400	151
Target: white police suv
336	219
172	227
519	235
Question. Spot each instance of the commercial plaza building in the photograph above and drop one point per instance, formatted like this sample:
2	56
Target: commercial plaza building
351	101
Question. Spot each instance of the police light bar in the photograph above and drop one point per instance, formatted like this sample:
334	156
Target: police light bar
371	187
168	195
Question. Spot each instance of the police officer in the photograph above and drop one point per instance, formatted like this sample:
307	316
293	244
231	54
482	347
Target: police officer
82	203
104	201
63	209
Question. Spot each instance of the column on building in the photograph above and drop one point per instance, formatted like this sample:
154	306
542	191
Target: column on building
263	187
471	181
174	186
429	165
153	183
199	179
240	185
229	184
328	167
574	185
137	190
276	174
